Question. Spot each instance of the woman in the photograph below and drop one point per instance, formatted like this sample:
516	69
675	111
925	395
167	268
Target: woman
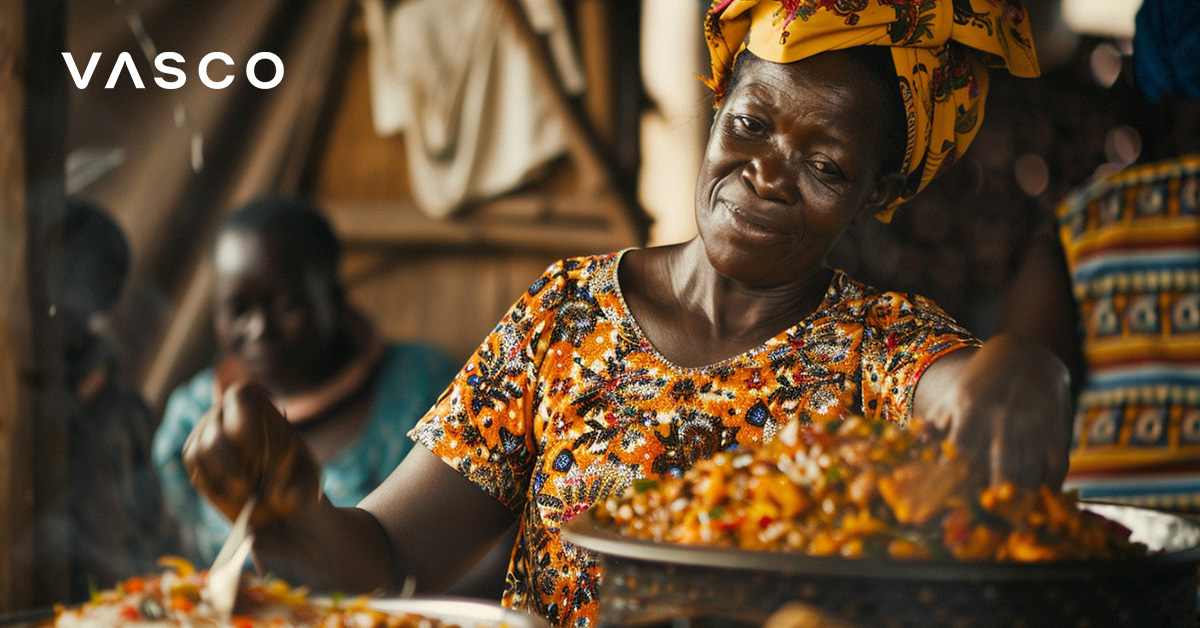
282	321
639	363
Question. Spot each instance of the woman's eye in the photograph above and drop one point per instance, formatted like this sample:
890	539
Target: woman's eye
234	307
825	168
290	304
748	125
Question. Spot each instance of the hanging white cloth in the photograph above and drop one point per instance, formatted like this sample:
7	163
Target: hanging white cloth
456	81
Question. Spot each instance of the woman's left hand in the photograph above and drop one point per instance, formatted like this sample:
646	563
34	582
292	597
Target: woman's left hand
1006	407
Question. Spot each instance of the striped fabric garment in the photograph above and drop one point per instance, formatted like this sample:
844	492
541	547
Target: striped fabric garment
1132	242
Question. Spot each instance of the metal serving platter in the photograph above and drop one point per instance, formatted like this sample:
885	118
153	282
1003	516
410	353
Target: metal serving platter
1174	539
465	612
657	585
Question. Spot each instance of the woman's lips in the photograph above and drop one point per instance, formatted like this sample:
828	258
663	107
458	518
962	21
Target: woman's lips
748	222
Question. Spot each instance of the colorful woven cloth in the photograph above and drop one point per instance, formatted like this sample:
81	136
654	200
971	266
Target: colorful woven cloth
941	50
1132	244
567	403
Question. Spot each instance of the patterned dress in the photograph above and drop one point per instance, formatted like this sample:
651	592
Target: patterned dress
566	402
1132	243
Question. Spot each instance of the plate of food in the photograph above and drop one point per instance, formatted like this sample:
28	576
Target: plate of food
173	597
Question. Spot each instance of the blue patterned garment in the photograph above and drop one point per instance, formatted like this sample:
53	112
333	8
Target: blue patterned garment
411	376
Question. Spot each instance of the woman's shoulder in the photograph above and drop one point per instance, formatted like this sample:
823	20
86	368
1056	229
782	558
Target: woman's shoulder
185	407
571	278
414	357
862	298
192	397
582	269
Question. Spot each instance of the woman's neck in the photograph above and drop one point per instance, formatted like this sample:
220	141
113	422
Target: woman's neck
731	307
694	316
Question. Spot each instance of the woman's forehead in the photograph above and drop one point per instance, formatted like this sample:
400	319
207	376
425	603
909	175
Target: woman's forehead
242	251
829	86
237	250
836	71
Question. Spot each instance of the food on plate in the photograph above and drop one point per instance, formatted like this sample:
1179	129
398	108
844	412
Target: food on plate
861	488
174	598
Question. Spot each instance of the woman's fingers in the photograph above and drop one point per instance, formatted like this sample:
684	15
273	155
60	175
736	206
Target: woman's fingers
244	447
214	465
1006	409
293	485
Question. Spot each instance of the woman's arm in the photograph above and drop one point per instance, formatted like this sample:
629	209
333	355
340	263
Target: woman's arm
1006	406
426	520
1040	304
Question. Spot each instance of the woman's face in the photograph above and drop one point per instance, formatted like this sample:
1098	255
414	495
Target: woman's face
792	160
272	314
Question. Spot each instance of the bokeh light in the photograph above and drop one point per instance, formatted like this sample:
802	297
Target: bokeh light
1105	62
1032	174
1122	145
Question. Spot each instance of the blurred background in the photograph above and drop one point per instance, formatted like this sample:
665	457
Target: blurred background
460	146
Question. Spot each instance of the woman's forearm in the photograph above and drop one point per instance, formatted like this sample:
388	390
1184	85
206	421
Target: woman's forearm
329	549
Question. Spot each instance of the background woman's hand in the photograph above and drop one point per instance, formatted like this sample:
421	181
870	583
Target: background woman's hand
1006	407
243	446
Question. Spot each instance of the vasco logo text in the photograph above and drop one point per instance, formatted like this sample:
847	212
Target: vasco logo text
177	77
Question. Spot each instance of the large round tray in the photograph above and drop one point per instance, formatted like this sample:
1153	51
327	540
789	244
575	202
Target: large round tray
647	583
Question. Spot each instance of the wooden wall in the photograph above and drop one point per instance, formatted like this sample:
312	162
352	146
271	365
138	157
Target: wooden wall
449	281
34	404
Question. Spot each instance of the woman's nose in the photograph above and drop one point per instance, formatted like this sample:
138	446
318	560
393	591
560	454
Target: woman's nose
255	324
771	178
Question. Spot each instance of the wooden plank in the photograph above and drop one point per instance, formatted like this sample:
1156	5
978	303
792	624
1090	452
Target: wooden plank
451	299
34	548
46	110
595	45
518	223
16	352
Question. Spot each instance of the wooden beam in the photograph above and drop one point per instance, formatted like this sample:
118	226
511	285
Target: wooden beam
595	45
46	110
518	224
34	541
16	352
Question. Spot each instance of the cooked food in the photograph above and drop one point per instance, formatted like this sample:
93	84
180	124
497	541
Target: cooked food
861	488
174	598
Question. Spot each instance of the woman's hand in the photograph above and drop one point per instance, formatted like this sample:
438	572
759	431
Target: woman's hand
242	447
1006	407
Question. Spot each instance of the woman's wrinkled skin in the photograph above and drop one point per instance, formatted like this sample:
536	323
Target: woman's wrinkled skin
792	162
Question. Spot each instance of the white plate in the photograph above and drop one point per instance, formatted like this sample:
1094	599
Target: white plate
467	613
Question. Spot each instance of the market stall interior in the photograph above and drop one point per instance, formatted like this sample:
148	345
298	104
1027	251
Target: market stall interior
562	129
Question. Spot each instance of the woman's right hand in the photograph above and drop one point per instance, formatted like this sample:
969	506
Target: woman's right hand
242	447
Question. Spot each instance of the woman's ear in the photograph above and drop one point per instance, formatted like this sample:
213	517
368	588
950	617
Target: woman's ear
887	189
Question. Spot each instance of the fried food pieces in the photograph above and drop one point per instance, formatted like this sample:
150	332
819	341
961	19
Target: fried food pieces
861	488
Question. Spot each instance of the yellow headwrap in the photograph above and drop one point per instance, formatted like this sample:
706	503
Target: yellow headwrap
941	49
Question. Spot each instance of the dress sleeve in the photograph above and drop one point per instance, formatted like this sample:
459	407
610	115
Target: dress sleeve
484	423
903	335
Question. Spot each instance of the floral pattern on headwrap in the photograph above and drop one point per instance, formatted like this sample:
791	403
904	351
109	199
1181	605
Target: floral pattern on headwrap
941	50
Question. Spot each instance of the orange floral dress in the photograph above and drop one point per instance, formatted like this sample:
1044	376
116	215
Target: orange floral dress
566	402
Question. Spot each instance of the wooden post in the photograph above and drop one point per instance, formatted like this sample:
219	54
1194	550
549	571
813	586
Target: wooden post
16	352
34	538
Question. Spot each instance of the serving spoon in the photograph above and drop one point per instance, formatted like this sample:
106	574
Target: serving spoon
225	575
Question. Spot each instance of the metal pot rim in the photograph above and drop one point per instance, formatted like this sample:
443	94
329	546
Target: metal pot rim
1180	547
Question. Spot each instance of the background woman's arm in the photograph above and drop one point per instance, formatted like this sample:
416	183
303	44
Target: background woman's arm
426	520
